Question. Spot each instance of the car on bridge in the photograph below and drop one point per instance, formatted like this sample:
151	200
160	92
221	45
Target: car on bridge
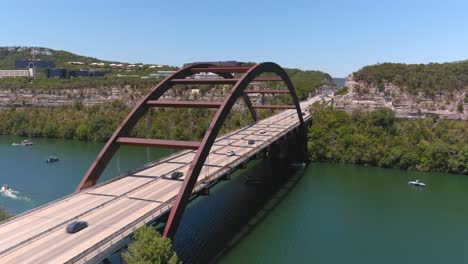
76	226
262	131
176	175
251	142
230	153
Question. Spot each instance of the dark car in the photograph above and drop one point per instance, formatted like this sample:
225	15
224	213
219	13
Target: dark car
176	175
251	142
76	226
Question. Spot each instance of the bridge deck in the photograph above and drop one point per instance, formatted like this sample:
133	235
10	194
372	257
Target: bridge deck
114	209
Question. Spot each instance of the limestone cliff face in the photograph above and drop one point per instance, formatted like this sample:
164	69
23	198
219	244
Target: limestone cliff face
361	95
98	95
56	97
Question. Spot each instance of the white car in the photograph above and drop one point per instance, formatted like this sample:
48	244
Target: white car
230	153
262	131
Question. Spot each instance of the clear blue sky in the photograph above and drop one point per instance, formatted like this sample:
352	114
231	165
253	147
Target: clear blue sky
334	36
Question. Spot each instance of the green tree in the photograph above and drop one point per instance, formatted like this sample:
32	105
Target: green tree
460	107
149	248
3	214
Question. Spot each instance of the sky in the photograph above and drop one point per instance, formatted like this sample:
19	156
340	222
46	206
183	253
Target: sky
334	36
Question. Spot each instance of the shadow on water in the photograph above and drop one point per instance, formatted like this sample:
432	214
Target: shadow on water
269	207
214	224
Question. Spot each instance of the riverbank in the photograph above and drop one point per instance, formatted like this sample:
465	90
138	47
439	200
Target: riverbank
377	138
98	122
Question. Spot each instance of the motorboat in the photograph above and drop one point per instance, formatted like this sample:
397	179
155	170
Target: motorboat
51	159
5	189
26	142
417	183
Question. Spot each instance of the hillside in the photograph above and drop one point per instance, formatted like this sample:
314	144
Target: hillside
62	59
52	92
411	90
8	55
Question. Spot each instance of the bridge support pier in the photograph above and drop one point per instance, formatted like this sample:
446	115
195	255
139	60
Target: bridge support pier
227	177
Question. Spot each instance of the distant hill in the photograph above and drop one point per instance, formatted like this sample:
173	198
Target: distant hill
340	82
8	55
429	79
411	90
61	58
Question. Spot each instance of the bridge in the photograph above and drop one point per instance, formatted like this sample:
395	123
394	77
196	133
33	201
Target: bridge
115	208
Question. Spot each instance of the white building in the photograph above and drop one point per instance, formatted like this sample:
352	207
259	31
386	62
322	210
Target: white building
16	73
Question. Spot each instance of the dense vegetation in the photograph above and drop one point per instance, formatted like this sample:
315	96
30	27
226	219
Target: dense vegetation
377	138
149	248
97	123
306	82
430	79
3	214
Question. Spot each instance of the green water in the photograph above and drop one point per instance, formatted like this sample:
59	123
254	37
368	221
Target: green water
351	214
36	182
331	213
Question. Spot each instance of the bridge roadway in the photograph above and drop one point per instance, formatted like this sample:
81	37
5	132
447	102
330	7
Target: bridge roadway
115	208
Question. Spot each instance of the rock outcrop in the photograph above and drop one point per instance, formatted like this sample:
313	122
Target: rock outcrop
360	95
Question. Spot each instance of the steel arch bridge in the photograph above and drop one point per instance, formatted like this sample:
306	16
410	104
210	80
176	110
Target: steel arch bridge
246	75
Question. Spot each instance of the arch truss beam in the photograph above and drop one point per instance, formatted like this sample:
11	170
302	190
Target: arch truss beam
238	90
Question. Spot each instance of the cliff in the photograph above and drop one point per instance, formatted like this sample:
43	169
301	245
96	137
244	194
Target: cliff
411	92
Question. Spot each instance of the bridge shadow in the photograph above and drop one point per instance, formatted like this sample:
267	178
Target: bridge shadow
262	214
213	225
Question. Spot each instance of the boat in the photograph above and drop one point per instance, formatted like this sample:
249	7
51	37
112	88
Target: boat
417	183
298	164
252	180
5	189
25	142
51	159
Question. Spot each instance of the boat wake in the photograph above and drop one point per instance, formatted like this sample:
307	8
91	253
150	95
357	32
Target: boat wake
12	194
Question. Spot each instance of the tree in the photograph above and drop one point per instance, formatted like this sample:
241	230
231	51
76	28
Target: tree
460	107
3	214
149	248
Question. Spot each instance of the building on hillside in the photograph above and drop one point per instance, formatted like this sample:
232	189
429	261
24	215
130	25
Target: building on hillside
15	73
86	73
161	74
75	63
23	64
56	73
205	75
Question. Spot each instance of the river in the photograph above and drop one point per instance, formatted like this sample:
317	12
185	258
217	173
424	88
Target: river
328	213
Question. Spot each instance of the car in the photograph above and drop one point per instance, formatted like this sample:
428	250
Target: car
176	175
251	142
76	226
303	113
262	131
230	153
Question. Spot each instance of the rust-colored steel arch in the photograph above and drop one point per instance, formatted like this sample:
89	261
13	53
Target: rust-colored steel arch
237	91
102	160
